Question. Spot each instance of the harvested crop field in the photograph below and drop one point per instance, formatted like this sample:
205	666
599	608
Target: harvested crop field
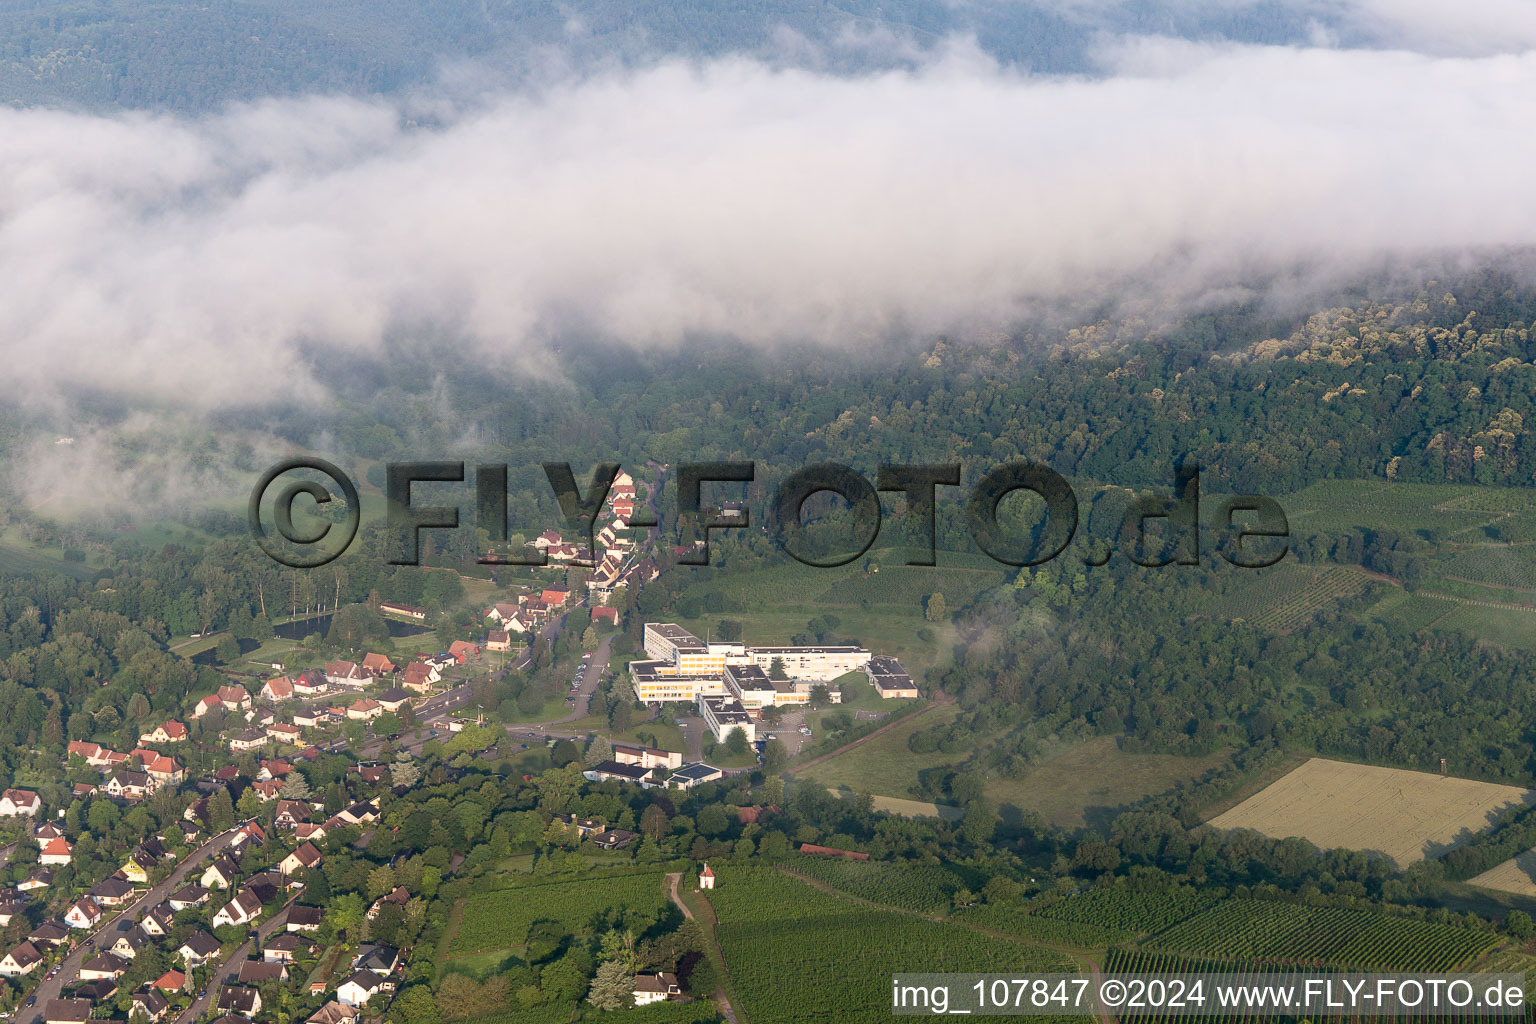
1406	815
1516	875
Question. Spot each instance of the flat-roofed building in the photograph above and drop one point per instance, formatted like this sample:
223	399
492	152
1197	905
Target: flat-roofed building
890	679
646	757
690	775
660	681
724	714
819	664
605	770
751	685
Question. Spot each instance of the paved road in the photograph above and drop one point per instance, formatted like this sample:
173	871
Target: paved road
69	968
223	975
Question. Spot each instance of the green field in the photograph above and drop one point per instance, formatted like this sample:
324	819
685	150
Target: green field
1086	783
885	766
22	560
498	921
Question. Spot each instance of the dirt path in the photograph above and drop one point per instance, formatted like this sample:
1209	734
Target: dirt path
939	700
1081	956
706	920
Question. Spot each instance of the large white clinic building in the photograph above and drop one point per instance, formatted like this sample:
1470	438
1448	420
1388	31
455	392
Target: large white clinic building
684	668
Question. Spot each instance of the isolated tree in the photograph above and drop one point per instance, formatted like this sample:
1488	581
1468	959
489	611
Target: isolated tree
221	811
295	787
404	772
654	822
936	610
776	670
775	756
600	749
565	752
557	834
736	741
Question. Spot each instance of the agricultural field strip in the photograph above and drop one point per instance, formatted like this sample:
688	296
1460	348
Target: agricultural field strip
1241	929
1400	813
1516	875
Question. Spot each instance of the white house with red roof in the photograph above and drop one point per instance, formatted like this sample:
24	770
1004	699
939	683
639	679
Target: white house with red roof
166	732
206	705
345	673
166	771
277	688
235	697
20	802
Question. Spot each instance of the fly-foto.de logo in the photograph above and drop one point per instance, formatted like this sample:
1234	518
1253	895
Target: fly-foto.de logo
1252	530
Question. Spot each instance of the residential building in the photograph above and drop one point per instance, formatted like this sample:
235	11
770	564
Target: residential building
151	1003
655	988
20	961
241	1000
237	697
221	873
156	922
103	966
66	1011
250	739
345	673
364	709
193	895
333	1013
302	918
360	987
20	802
245	907
166	732
172	981
83	913
258	972
305	857
197	948
56	853
277	688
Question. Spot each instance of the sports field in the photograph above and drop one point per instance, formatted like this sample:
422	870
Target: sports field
1406	815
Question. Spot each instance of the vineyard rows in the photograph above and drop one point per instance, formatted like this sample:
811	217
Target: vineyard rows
1133	911
928	889
798	955
1043	929
1323	936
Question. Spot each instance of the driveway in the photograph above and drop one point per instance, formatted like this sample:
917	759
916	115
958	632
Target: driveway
69	969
